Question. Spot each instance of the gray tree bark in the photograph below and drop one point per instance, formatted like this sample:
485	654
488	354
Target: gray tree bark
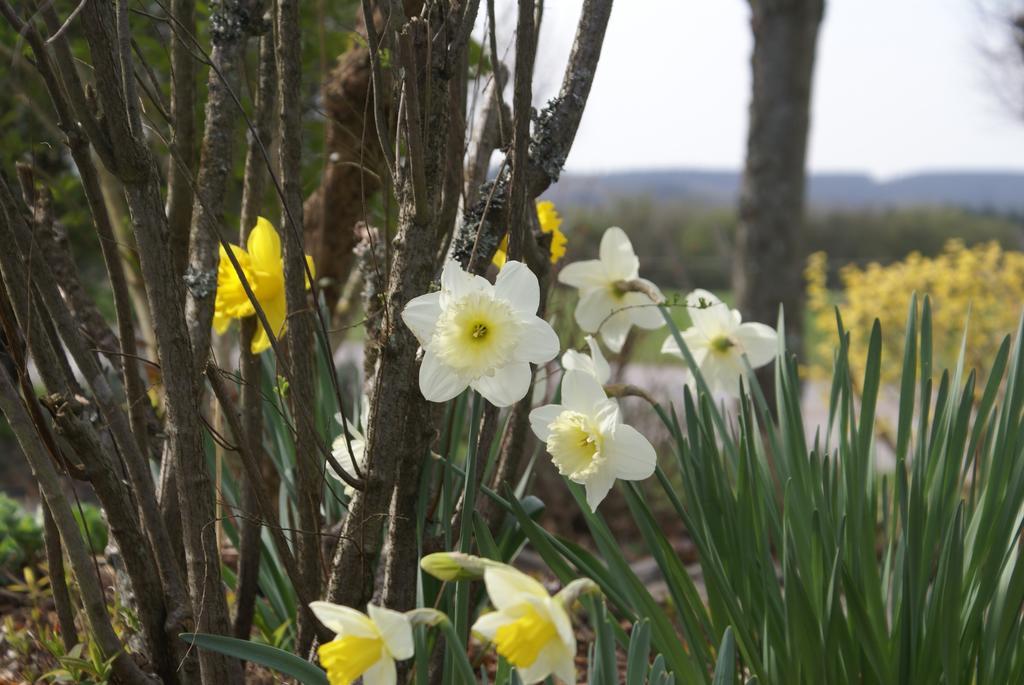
767	267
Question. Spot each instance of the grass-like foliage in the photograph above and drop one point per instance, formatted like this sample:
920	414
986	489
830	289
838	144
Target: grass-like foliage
816	568
825	571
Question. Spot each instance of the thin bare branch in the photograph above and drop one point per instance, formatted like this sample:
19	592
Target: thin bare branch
250	462
231	26
310	472
125	669
183	133
373	41
67	23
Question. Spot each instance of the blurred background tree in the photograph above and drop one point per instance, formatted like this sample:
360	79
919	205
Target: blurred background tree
769	240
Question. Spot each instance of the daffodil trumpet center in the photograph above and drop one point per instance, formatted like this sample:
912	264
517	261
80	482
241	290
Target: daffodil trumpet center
522	640
477	334
721	344
618	290
348	657
575	445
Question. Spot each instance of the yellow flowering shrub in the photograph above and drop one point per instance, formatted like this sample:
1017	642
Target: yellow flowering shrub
983	282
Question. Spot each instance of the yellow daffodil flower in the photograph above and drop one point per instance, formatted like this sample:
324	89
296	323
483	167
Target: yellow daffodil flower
550	222
263	268
366	645
530	628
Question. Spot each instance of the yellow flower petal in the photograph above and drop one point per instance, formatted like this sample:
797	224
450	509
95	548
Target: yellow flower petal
220	323
312	270
521	641
349	656
265	247
502	254
276	311
558	243
551	222
231	301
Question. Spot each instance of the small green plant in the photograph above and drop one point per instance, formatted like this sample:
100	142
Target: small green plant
84	664
21	536
93	527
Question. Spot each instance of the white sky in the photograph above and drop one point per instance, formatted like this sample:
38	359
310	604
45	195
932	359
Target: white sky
900	86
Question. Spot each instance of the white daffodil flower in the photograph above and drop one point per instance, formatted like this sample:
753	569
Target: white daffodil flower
530	628
479	335
604	305
587	440
719	339
366	645
340	450
595	364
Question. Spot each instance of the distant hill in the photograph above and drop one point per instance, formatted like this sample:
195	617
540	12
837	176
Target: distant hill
1000	192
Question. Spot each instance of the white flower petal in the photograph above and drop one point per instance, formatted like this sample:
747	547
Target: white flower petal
695	296
456	283
343	620
556	612
722	373
547	660
695	341
577	361
381	673
643	312
517	285
758	341
487	625
340	452
617	255
538	342
565	665
541	419
595	364
607	415
421	314
615	329
601	369
508	385
630	455
395	630
585	275
593	308
439	383
597	487
581	392
712	320
508	587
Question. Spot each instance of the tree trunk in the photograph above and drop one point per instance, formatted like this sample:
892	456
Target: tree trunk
768	261
351	176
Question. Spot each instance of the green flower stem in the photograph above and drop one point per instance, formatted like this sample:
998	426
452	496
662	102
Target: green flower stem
457	650
468	506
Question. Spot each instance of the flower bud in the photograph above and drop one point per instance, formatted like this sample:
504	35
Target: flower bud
426	617
454	566
576	589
